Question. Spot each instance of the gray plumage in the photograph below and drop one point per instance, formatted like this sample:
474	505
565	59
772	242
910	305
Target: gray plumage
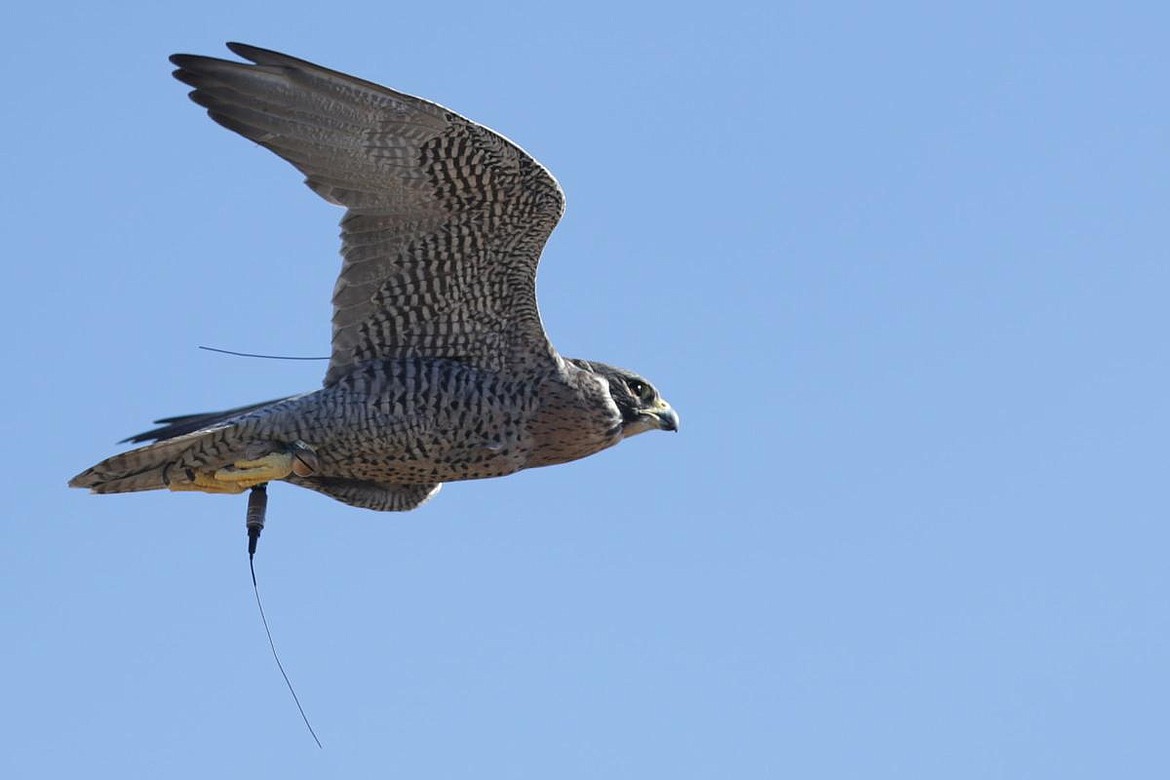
440	368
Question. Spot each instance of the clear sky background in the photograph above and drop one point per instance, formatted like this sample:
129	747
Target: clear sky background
902	270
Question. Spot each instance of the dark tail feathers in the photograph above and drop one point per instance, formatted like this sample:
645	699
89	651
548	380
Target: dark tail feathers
186	423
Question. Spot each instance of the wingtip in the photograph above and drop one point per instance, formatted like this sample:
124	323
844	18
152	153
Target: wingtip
188	67
244	50
262	56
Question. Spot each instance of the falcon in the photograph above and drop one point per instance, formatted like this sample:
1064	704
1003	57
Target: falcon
440	369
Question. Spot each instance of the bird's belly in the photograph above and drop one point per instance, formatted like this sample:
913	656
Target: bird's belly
440	421
441	467
427	453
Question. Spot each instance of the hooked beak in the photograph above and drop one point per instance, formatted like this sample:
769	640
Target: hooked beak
662	417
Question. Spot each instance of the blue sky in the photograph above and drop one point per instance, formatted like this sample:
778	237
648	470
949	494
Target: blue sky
902	269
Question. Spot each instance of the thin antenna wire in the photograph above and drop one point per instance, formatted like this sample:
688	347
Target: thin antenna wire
276	657
266	357
257	504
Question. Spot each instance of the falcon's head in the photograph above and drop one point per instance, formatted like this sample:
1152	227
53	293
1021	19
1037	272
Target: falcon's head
641	407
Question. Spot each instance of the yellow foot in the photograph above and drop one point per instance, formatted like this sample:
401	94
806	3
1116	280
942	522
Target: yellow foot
249	473
298	458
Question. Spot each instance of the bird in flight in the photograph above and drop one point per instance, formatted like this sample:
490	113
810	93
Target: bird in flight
440	369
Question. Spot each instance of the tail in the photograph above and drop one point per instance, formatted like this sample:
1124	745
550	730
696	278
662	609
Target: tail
145	468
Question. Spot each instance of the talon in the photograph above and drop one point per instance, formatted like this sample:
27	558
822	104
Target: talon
248	473
297	458
203	482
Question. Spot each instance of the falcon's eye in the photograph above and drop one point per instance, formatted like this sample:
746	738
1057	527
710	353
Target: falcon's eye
640	389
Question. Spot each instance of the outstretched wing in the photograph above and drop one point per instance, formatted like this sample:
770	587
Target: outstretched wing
445	219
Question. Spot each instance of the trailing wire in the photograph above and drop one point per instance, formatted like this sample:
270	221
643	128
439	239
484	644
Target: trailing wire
257	505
